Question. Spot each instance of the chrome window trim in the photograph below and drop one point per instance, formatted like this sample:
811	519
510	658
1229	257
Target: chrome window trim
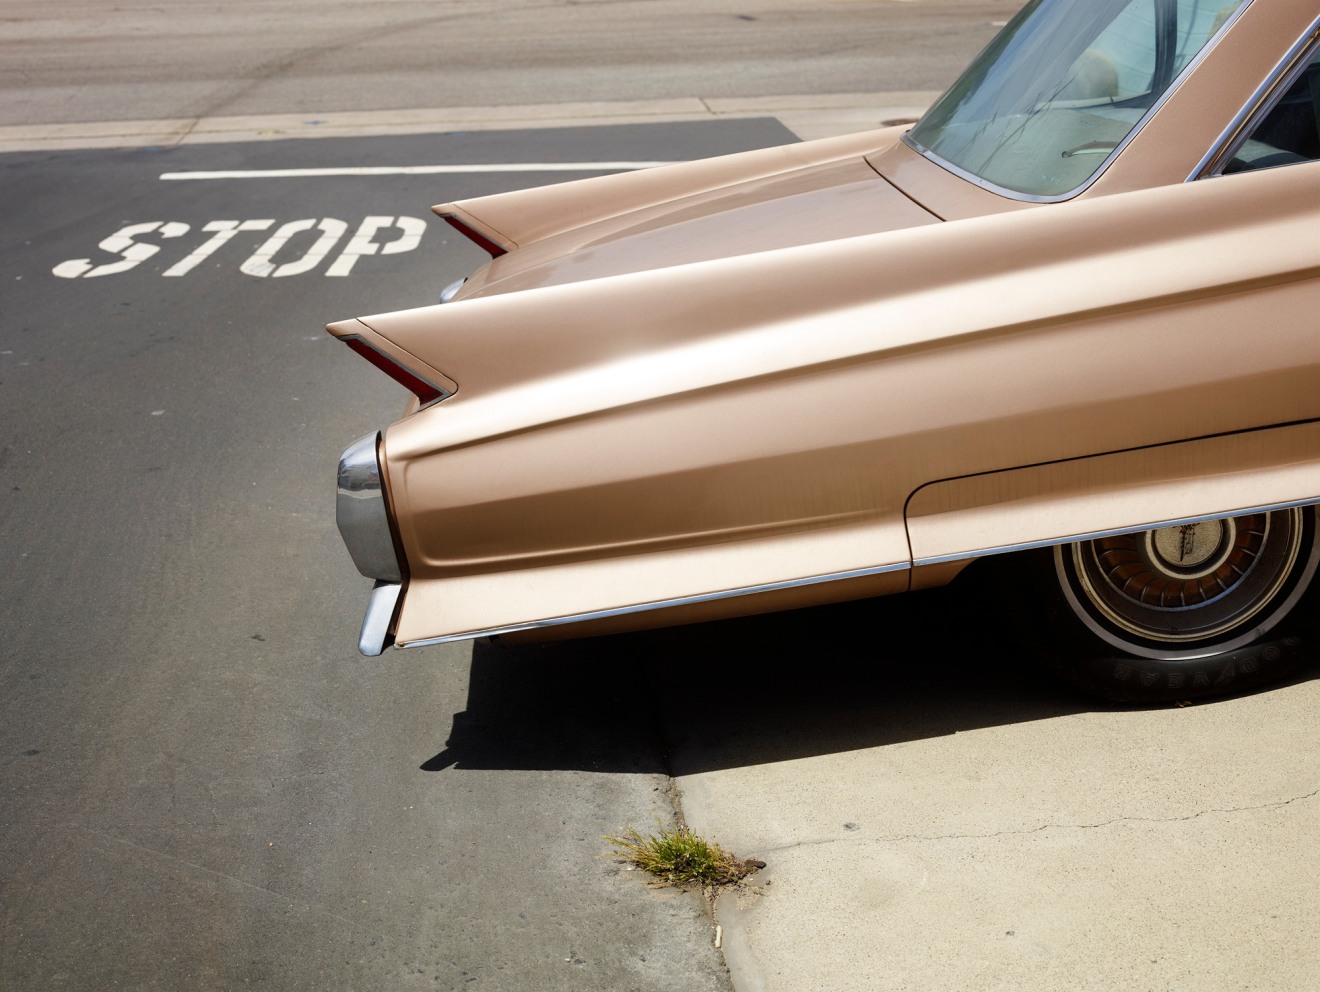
1137	128
1263	100
658	605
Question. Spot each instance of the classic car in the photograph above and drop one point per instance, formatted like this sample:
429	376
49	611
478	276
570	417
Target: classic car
1065	326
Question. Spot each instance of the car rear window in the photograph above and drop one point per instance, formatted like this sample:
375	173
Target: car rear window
1059	90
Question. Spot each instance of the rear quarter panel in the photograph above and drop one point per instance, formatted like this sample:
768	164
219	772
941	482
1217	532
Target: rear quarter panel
716	426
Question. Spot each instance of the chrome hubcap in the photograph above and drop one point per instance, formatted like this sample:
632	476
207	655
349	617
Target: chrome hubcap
1189	551
1185	585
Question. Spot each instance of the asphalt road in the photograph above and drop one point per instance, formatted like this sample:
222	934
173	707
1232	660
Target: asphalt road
202	785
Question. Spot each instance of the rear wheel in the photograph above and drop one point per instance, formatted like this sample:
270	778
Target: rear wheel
1177	612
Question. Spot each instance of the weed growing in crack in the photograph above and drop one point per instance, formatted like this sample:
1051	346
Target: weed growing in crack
677	856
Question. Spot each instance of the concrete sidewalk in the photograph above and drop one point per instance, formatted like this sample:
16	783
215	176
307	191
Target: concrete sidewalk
1139	850
936	816
806	116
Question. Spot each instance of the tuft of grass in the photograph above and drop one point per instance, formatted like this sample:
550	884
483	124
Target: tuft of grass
677	856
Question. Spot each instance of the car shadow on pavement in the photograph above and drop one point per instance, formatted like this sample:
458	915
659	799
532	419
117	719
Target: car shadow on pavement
751	691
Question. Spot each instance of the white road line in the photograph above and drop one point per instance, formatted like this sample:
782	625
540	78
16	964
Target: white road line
417	170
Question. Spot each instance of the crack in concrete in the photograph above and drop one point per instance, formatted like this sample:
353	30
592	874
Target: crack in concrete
892	838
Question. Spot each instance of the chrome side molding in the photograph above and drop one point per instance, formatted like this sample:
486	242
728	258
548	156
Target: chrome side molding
658	605
1095	535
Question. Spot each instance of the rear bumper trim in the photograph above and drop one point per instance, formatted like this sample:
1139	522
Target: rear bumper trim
375	636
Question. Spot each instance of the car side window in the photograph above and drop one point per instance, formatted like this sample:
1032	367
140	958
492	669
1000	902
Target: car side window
1290	132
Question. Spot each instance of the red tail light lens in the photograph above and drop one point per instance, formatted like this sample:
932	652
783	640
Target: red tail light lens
476	237
426	392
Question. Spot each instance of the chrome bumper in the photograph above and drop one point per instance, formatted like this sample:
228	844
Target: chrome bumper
375	637
364	524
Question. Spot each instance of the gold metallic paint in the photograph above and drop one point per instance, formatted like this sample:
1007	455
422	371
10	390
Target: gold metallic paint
637	421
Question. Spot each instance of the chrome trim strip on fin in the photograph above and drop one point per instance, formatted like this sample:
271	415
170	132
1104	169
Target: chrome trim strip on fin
1096	535
450	291
375	634
858	573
